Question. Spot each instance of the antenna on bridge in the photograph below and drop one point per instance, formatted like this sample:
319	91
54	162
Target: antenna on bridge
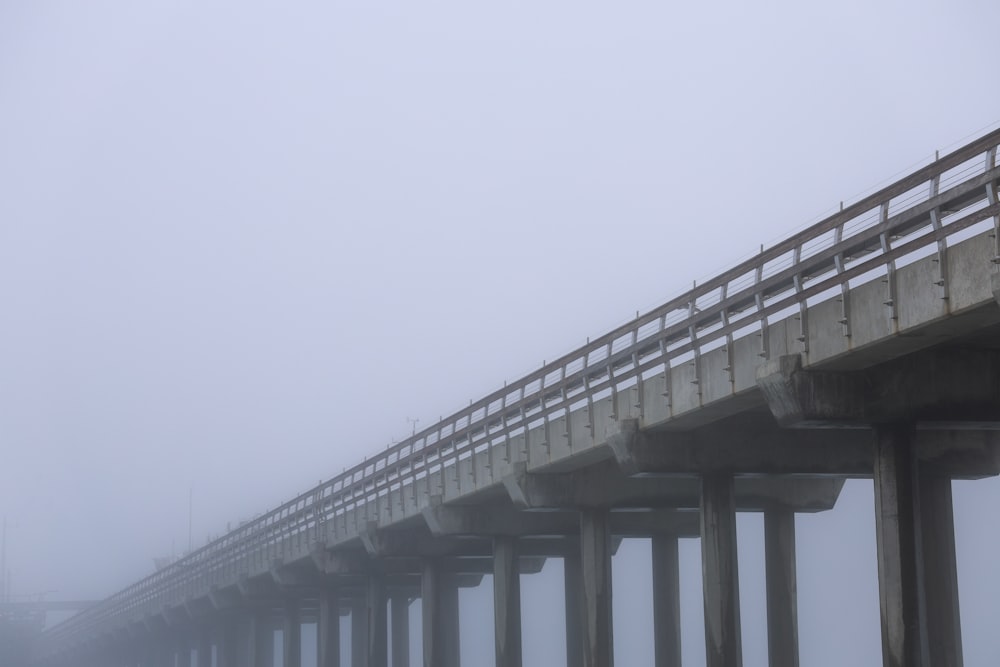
3	563
413	422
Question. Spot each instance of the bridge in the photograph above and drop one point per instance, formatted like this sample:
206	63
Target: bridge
867	345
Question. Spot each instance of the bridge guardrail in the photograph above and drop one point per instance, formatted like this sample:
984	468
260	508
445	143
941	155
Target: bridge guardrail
912	217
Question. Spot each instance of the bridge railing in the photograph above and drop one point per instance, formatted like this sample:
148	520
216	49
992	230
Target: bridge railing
911	218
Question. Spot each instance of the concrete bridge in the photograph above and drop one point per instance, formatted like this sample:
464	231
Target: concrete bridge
867	345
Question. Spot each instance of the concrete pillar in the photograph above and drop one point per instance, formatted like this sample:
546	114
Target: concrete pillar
227	643
260	643
183	651
573	584
782	597
400	606
720	575
328	628
900	557
359	633
204	658
451	625
506	602
595	566
378	638
944	626
439	607
666	602
291	641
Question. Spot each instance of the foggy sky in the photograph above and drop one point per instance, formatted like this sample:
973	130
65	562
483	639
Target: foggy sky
241	243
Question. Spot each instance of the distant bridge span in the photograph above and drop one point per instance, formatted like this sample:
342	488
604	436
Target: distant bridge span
867	345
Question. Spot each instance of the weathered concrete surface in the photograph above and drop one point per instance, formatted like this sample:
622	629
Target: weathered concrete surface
506	602
604	486
666	602
900	557
723	642
943	387
399	606
595	568
378	637
572	586
291	643
439	607
328	628
944	626
781	585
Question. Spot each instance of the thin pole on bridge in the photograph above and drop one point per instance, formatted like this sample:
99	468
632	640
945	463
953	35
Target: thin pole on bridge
3	563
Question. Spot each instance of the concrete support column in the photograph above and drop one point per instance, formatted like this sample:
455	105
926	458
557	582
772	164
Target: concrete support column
506	602
666	602
378	637
359	633
451	617
900	547
227	641
183	652
944	625
721	585
400	606
291	641
782	597
328	628
204	658
573	584
260	643
439	606
595	566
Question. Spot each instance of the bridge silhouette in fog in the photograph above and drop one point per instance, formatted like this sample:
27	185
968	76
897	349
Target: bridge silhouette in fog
867	345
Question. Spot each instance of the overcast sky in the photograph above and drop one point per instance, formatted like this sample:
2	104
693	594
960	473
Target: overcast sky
241	243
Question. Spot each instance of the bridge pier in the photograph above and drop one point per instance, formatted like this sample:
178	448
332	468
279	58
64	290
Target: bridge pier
781	585
291	640
378	638
595	565
328	628
399	605
918	577
359	632
506	601
439	607
666	601
572	585
723	642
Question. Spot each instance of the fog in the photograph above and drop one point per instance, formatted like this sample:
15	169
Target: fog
243	244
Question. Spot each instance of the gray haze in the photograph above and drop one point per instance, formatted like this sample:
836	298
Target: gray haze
242	242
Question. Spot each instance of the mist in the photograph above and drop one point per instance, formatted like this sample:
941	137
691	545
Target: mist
244	245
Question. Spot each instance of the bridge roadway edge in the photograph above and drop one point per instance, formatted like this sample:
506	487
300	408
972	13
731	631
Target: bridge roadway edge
669	430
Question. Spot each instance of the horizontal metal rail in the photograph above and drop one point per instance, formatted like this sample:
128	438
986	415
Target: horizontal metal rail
915	215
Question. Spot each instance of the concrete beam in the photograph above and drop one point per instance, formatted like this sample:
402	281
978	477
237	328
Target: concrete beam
224	598
508	521
605	486
942	386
